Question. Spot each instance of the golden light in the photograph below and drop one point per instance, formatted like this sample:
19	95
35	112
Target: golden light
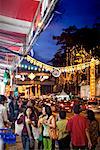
40	24
92	78
62	69
31	76
43	78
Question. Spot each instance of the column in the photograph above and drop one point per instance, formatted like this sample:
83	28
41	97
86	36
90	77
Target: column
39	90
36	90
92	78
31	93
26	93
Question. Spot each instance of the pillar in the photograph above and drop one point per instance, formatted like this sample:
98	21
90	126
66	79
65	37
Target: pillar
39	90
36	92
26	93
92	79
31	93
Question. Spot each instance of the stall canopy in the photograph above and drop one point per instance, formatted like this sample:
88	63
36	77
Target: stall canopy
19	20
63	96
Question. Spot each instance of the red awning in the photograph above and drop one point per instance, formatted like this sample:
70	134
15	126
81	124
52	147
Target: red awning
16	18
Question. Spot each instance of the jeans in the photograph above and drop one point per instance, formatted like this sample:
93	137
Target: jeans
64	144
26	142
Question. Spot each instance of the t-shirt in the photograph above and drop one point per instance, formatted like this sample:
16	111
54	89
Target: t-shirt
61	126
77	126
45	128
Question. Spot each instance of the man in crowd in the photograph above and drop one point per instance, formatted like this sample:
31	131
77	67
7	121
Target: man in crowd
3	116
78	128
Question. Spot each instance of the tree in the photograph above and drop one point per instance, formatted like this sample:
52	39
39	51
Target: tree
59	59
74	39
76	46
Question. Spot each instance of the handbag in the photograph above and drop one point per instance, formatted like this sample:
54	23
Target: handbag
53	133
18	127
36	132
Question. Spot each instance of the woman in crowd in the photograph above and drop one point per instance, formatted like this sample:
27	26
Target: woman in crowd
48	122
93	128
40	126
27	135
63	138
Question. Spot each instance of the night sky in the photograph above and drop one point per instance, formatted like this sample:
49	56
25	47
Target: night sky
67	12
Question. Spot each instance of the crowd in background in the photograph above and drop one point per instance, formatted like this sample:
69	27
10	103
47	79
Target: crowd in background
39	123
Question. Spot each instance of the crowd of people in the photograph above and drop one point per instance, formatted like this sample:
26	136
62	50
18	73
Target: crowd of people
37	122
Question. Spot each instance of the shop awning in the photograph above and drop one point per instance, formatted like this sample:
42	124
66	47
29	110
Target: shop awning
15	22
19	20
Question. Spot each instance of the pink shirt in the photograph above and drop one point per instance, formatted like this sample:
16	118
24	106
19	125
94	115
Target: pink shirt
77	126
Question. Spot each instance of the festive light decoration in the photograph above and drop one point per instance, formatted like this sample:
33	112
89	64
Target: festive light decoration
42	78
56	72
18	76
31	76
23	78
61	69
92	79
28	67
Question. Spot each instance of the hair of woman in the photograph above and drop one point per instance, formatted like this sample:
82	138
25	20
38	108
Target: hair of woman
90	115
48	110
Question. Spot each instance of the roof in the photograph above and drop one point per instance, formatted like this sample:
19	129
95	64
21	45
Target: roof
63	93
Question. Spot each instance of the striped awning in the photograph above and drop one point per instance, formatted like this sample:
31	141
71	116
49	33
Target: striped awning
19	20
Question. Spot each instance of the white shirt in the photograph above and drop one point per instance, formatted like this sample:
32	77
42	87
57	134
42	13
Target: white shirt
3	115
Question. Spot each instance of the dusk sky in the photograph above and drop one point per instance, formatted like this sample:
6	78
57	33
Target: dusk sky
67	12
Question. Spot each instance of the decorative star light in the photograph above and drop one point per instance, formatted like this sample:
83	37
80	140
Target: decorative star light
31	76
